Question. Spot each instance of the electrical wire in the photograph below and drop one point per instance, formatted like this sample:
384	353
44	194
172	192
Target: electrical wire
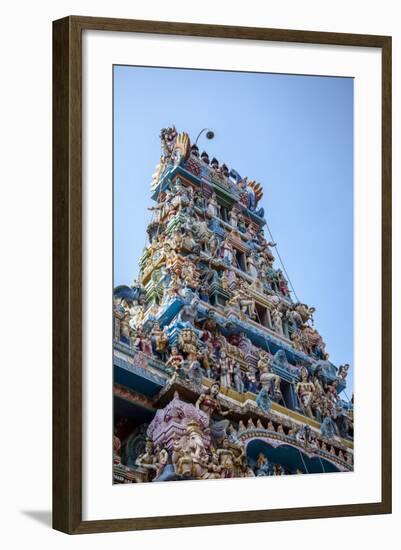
282	263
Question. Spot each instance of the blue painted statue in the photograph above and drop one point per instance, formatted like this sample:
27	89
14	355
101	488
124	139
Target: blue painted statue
327	428
263	400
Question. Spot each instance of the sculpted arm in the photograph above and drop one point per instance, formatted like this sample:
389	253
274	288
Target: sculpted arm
200	400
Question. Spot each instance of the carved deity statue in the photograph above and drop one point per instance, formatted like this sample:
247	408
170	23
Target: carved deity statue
227	459
176	364
227	251
282	283
208	402
195	374
190	456
262	466
147	460
304	311
252	266
343	372
238	378
304	390
213	207
277	319
188	313
225	367
297	340
160	341
189	275
268	380
243	301
213	246
137	313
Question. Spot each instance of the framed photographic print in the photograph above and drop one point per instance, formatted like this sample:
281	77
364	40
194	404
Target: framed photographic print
222	274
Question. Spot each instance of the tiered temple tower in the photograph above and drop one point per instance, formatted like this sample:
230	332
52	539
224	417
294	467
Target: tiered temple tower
218	372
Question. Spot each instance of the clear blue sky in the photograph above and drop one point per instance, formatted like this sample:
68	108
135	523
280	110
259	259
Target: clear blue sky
293	134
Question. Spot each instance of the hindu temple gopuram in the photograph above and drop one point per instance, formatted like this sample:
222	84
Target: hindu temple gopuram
218	371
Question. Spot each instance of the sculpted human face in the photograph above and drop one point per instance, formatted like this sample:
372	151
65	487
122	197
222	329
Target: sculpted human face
163	456
195	440
214	390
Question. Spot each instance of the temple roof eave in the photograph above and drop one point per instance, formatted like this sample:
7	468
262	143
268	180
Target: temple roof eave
141	365
260	336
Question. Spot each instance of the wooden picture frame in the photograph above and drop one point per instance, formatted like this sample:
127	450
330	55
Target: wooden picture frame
67	273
